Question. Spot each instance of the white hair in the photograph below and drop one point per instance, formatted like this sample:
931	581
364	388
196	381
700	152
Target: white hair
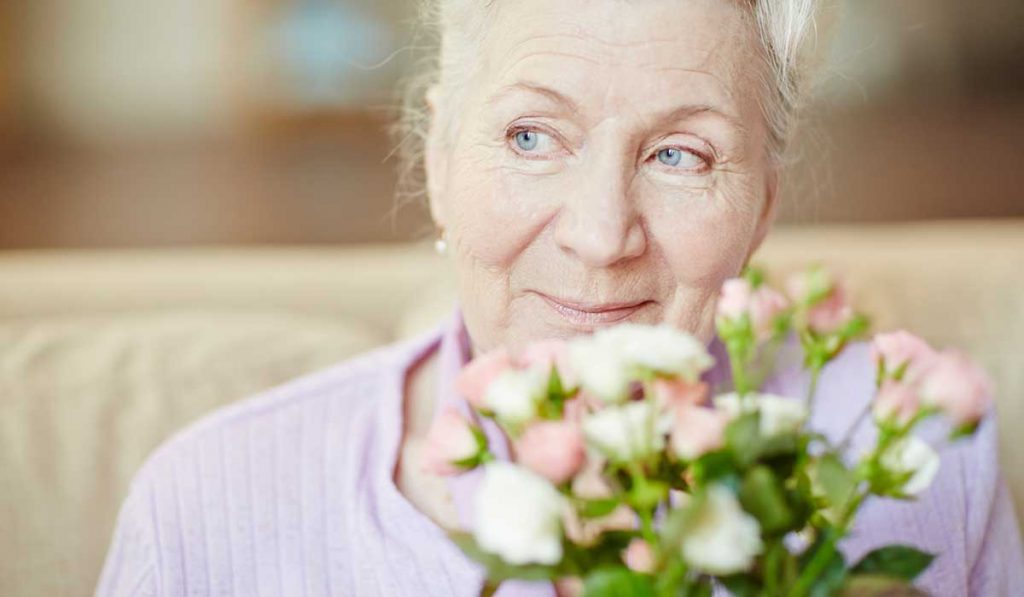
791	33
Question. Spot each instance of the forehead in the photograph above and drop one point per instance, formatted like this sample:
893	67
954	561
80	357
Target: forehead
621	52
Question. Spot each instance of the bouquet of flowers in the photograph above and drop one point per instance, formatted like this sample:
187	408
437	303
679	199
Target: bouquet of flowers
630	476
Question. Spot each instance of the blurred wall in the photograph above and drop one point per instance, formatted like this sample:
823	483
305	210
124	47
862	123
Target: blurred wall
141	122
128	69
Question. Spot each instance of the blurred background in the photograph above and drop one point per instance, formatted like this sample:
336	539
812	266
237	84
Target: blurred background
195	122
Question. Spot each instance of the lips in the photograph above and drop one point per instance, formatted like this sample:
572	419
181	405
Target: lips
593	314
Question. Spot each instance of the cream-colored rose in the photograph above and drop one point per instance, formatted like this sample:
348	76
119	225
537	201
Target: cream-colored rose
912	455
609	360
626	432
724	539
514	395
518	515
778	414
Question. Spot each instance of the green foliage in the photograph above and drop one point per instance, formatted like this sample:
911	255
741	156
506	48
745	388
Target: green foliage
822	567
836	483
618	581
498	569
895	561
762	495
553	405
868	585
597	508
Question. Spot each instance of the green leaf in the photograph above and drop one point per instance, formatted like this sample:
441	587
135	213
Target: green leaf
896	561
617	581
754	274
965	430
867	585
831	477
741	585
762	495
829	577
712	466
742	436
597	508
498	569
647	493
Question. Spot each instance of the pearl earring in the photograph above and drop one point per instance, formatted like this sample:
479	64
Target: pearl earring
441	243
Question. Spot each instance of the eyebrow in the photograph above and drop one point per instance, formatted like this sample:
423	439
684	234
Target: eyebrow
672	115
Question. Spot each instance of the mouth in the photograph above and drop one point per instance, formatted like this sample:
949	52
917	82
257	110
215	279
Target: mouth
593	314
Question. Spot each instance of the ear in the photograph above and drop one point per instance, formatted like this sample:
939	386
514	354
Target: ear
435	158
768	212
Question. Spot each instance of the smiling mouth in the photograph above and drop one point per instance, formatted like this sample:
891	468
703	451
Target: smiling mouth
594	314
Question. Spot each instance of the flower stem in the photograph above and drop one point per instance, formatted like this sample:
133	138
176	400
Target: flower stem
813	388
848	437
824	554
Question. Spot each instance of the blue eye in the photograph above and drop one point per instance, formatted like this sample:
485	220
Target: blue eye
677	157
526	140
670	156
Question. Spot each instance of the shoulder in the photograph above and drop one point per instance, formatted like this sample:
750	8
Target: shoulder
253	471
351	389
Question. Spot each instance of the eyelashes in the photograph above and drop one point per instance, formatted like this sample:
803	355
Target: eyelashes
536	142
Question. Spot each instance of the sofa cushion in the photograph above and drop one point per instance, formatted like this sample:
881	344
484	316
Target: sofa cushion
83	400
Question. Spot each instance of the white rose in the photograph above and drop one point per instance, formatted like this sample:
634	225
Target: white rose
778	414
518	515
662	349
912	455
625	432
608	360
724	539
514	395
599	368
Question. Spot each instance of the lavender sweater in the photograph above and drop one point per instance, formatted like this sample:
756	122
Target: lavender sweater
291	493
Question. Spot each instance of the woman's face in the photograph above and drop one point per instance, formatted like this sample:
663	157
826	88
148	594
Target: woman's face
607	163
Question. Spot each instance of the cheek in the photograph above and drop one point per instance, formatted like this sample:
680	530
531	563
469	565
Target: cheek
703	247
495	214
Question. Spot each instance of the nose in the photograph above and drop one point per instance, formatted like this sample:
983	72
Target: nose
598	223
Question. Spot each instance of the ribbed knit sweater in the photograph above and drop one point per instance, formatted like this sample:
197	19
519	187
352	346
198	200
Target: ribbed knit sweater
291	493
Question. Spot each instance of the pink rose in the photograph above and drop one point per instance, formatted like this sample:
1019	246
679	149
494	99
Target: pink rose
831	314
475	377
734	300
896	350
697	430
809	286
550	353
766	305
673	393
957	386
552	449
896	402
639	557
451	443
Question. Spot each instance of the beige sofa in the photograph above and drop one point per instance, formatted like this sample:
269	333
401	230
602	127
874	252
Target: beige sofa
105	354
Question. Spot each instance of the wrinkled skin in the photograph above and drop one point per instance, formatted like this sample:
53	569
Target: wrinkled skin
607	162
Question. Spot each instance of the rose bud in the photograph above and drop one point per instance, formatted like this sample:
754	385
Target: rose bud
552	449
958	387
453	444
901	353
896	402
475	377
639	557
766	306
735	298
697	431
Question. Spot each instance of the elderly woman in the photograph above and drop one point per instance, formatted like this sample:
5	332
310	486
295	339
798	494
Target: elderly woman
587	163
